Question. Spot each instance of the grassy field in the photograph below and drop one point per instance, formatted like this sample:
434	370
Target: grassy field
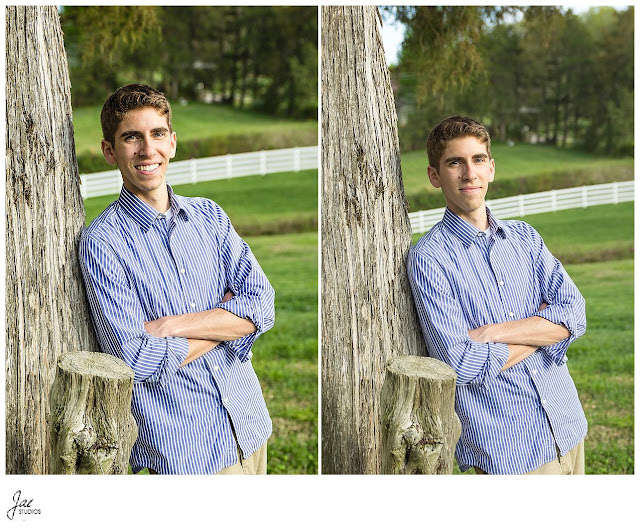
276	203
286	357
194	121
520	160
602	361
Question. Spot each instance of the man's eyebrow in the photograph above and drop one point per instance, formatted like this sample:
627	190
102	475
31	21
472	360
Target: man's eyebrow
460	158
137	133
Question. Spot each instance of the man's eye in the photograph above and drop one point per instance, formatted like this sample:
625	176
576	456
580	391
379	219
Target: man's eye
160	134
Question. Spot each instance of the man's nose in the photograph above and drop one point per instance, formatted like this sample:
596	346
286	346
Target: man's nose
470	172
146	147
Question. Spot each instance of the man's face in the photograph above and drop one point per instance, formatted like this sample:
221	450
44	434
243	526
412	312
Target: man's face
143	147
464	175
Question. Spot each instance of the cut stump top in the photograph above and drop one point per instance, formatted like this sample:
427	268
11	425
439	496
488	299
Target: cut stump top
414	366
95	364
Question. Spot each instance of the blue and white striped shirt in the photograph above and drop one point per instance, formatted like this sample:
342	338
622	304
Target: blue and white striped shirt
463	279
137	267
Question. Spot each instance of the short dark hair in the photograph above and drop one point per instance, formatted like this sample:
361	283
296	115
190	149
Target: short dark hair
450	129
128	98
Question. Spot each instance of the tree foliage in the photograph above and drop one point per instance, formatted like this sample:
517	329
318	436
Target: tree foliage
259	57
531	74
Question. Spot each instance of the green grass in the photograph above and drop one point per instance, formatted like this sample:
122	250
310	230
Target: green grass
276	203
597	233
194	121
520	160
602	364
286	357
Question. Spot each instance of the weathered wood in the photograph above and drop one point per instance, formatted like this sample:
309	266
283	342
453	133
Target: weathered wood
92	428
367	310
420	428
46	309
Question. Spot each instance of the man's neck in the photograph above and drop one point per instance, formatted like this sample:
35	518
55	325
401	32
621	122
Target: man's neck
158	199
477	218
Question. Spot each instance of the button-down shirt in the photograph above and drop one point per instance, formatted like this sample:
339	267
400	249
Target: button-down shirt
462	279
138	267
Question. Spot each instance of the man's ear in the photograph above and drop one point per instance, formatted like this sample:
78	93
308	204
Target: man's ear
108	152
173	144
434	178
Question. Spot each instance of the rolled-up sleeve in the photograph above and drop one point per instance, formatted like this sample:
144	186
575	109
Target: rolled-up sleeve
254	296
566	306
119	320
445	328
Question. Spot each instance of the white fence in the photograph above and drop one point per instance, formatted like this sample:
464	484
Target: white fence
212	168
545	201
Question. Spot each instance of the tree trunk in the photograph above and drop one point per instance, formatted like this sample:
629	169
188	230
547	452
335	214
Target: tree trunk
92	428
420	428
46	309
368	315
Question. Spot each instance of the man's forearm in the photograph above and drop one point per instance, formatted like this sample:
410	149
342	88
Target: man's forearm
532	331
517	353
197	348
213	325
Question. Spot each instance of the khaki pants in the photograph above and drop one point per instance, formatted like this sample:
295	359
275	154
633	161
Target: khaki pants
256	464
570	464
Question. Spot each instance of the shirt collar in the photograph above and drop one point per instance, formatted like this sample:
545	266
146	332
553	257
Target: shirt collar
146	215
465	231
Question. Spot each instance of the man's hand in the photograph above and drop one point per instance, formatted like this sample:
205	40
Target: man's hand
162	326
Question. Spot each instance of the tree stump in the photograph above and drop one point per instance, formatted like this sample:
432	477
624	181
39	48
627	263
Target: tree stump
92	428
420	428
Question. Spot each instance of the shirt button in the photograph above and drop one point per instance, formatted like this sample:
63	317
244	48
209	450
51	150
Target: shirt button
535	372
225	400
182	271
215	368
193	304
565	358
544	401
500	282
510	313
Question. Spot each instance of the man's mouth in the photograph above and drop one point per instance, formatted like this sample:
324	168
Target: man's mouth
470	188
149	167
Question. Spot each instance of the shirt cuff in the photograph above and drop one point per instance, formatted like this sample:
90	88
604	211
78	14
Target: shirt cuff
241	347
558	314
497	354
557	352
243	307
176	354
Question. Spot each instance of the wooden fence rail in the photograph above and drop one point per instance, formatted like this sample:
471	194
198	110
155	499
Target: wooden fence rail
545	201
212	168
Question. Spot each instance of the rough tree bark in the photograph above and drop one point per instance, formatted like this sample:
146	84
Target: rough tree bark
46	309
367	311
420	428
92	428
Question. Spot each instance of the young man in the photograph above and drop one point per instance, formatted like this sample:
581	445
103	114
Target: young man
497	307
176	294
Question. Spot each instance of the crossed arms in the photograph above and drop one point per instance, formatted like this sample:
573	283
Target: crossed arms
480	354
203	330
523	337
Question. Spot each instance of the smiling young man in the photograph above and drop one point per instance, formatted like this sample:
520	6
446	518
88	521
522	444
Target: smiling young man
497	307
176	294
